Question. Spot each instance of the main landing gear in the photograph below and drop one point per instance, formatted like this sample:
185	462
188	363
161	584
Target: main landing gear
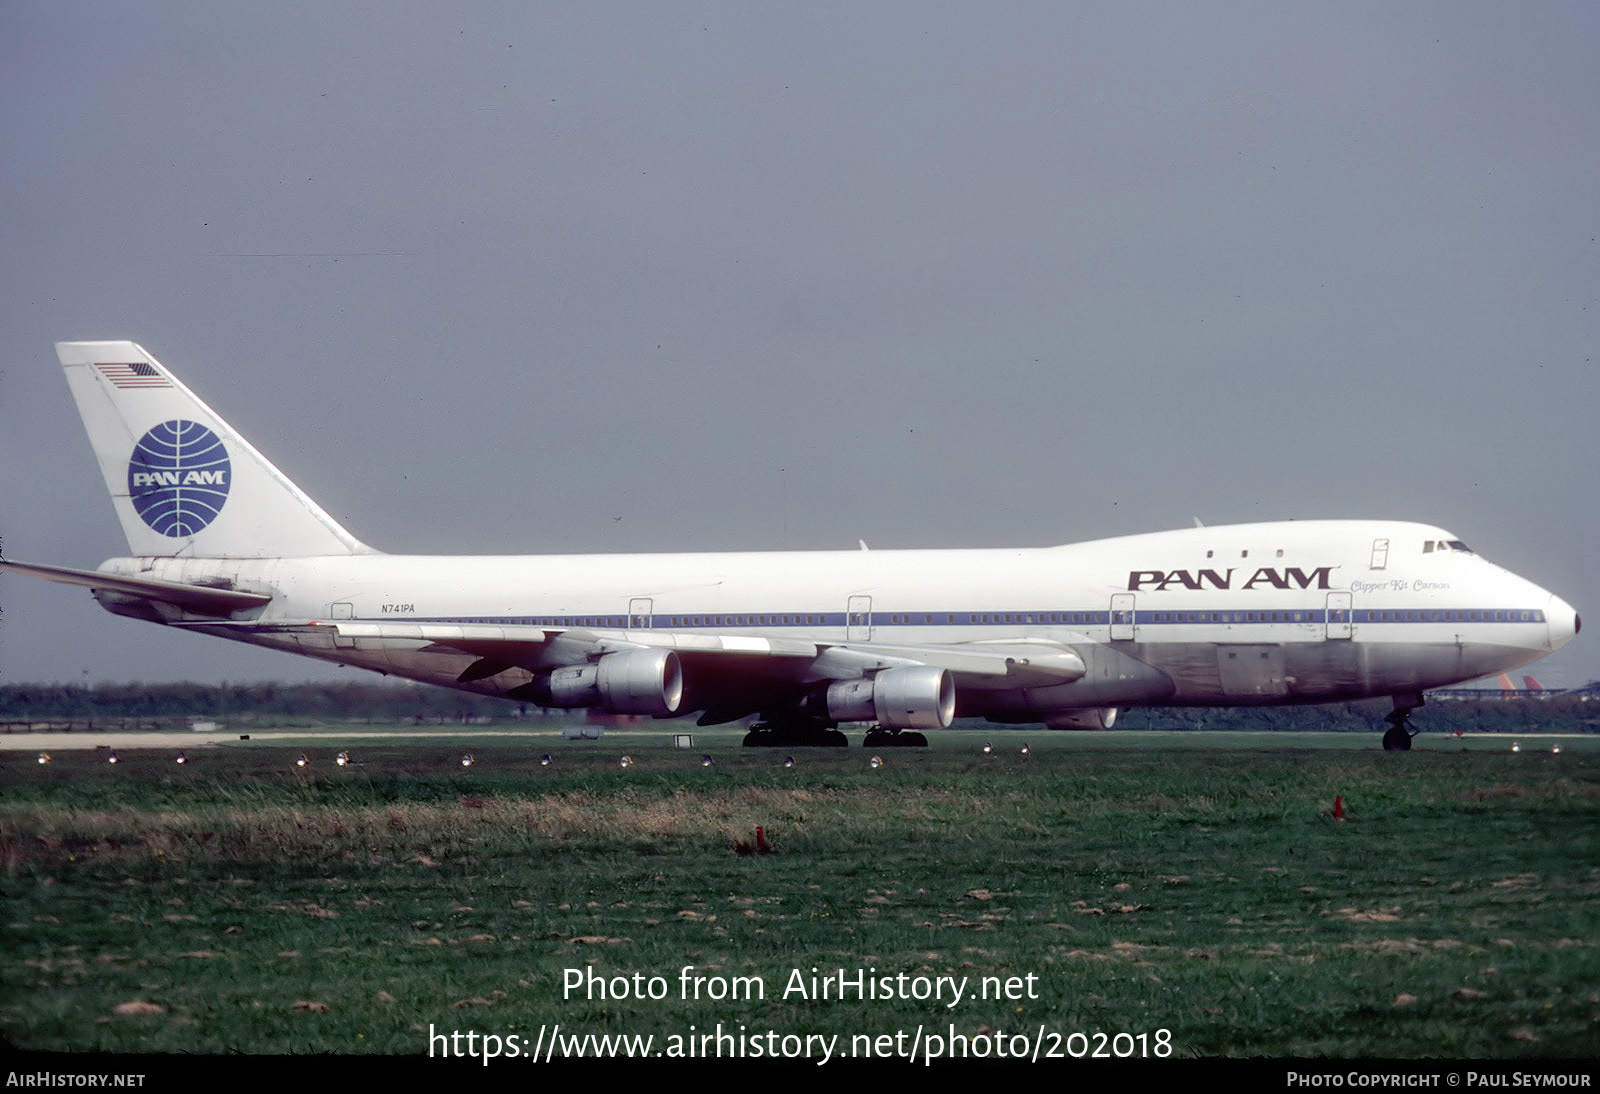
817	733
798	732
1398	738
879	737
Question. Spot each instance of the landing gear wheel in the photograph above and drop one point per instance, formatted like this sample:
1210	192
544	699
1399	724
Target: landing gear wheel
878	737
792	735
1398	738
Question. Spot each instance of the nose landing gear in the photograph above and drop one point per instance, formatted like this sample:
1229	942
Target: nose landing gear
1398	738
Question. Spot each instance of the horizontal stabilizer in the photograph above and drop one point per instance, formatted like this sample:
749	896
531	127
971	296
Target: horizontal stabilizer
199	599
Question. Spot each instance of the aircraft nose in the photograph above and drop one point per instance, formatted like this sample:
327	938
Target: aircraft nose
1563	622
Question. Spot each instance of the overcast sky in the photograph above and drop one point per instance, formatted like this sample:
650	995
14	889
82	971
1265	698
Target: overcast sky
521	278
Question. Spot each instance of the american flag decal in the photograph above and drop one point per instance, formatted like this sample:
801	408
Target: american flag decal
137	374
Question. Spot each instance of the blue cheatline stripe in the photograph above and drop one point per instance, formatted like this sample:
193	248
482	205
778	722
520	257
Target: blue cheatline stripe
672	621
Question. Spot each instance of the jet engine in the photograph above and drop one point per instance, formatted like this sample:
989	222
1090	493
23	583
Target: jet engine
917	697
1098	718
629	682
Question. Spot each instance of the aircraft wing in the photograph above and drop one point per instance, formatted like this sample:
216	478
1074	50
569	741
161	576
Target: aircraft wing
200	599
1021	663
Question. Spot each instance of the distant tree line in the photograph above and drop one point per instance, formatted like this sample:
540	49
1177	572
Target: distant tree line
1568	712
357	701
389	703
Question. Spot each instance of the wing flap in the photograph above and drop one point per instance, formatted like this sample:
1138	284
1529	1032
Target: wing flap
1016	664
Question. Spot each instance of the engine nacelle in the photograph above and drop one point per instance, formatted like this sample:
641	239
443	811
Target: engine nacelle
1099	718
630	682
918	697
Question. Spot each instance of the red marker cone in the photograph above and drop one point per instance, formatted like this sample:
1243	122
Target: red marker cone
1338	807
761	840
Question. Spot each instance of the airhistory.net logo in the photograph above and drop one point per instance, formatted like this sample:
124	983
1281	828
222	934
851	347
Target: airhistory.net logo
178	477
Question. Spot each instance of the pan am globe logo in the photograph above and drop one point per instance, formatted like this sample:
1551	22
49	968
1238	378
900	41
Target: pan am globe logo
178	477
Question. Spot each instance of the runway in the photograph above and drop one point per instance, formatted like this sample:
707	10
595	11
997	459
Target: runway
127	739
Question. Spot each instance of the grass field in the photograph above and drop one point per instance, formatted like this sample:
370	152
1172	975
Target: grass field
1126	883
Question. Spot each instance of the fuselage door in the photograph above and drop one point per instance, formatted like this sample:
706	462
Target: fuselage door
1380	554
1339	615
1122	617
858	619
640	609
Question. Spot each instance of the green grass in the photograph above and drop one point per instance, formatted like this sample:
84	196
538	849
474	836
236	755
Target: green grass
1197	883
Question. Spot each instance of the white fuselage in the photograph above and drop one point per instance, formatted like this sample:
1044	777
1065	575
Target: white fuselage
1262	613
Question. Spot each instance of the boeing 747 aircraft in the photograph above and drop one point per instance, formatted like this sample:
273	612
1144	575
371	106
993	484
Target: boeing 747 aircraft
222	543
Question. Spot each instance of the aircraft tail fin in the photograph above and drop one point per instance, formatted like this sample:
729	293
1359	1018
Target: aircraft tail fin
183	482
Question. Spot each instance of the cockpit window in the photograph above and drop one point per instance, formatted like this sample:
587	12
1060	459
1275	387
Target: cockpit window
1431	545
